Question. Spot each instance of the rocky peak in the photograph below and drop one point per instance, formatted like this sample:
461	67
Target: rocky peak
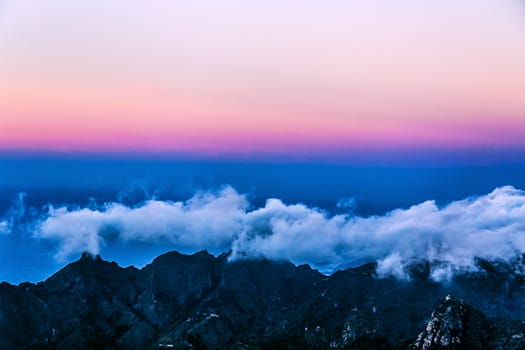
89	256
454	325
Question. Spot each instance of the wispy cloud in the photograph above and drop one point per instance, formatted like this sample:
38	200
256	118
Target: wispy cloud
4	227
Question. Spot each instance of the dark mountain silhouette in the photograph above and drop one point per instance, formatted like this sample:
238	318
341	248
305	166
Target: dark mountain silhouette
204	302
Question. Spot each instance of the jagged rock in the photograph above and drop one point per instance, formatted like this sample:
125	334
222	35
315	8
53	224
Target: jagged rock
455	325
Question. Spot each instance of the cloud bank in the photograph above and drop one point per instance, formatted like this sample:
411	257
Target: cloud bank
491	227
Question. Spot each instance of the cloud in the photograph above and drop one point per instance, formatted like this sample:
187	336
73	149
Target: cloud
451	237
349	204
206	221
17	217
4	227
490	227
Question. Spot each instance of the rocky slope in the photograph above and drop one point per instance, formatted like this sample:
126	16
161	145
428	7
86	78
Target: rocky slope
204	302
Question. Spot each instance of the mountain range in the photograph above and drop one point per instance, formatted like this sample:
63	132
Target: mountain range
202	301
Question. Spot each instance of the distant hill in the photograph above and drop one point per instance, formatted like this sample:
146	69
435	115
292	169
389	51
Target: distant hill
204	302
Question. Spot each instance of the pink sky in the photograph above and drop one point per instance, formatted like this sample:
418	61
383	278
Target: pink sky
272	76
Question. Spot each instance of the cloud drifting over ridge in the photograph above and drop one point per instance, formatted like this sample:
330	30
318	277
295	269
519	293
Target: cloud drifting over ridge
490	227
206	221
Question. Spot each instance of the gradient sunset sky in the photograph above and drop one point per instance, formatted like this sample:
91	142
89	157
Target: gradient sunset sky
228	78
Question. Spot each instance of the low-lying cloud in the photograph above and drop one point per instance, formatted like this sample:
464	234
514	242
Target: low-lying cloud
206	221
491	227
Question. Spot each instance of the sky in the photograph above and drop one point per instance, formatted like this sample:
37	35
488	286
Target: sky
326	133
343	80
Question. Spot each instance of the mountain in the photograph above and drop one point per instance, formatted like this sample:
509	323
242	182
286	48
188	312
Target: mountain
204	302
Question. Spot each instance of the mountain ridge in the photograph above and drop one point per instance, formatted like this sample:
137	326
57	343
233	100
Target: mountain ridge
202	301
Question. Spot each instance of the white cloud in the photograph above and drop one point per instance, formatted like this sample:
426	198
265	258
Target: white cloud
490	226
207	220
